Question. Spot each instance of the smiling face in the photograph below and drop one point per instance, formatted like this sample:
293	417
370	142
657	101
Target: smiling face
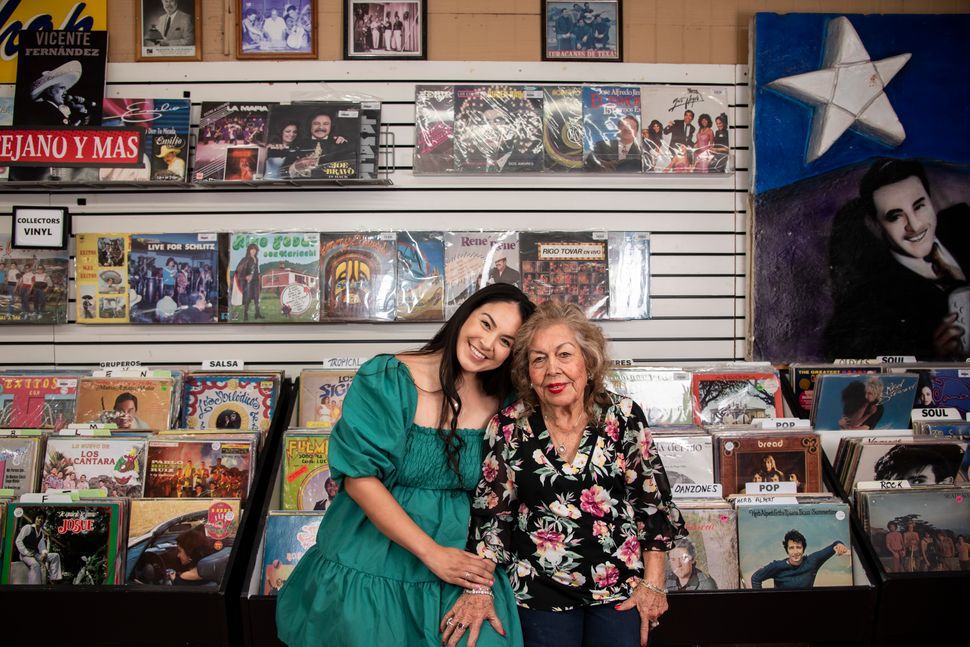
681	563
320	126
795	552
485	339
170	5
557	368
907	217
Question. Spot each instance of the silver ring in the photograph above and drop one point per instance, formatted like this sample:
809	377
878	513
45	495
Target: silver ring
460	625
449	622
654	624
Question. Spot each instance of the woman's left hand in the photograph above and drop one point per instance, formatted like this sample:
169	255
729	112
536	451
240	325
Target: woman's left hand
650	604
468	614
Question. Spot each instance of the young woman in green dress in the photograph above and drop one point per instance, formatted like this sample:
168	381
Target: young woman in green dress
389	558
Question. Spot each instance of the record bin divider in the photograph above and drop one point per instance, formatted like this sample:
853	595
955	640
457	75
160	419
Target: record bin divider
913	608
143	616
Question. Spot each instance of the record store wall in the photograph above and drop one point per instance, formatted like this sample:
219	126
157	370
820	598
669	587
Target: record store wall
698	223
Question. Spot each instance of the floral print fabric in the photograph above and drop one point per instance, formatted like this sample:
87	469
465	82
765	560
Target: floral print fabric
572	534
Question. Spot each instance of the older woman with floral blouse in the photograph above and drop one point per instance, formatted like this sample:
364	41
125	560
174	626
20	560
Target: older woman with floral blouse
573	501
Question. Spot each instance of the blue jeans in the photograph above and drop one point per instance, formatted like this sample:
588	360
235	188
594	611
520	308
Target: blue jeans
595	626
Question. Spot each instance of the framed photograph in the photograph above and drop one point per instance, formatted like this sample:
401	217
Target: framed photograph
386	30
582	31
169	30
276	29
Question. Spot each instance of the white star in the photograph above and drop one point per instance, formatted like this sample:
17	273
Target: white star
848	92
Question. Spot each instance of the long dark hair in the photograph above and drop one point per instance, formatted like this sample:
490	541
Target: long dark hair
497	381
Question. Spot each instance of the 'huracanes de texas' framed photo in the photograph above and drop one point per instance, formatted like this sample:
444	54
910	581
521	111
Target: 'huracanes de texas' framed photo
582	31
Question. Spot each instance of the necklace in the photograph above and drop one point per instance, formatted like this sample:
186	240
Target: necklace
560	446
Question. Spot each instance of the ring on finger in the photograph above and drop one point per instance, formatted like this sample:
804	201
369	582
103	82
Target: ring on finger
468	575
654	624
449	622
461	625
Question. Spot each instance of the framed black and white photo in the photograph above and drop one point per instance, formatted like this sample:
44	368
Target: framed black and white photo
582	31
168	30
385	30
276	29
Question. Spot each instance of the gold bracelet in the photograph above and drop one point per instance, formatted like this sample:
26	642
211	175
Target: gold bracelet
484	590
653	587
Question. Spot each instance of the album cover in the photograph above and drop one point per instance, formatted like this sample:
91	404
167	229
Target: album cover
173	278
864	402
924	461
901	522
288	536
60	77
232	401
571	266
765	457
804	376
6	119
33	284
358	276
474	259
816	535
562	107
37	401
322	393
943	387
278	274
78	543
313	140
958	429
685	129
498	129
232	141
20	461
733	398
707	559
166	122
611	127
159	529
307	483
116	465
662	393
687	458
199	468
420	276
136	404
629	274
101	281
370	140
434	125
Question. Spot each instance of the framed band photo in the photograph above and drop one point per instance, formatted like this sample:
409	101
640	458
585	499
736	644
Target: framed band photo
582	31
386	30
275	29
169	30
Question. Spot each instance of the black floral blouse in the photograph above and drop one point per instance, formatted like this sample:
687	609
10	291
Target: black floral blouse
572	534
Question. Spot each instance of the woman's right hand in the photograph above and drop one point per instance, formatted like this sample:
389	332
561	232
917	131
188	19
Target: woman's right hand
460	568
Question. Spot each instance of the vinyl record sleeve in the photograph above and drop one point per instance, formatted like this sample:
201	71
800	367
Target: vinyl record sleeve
34	286
687	458
498	129
629	274
761	532
662	393
322	393
276	273
370	138
37	401
420	276
307	483
166	122
570	266
179	467
434	125
6	119
766	457
948	387
288	536
108	400
924	461
803	382
685	129
713	535
20	461
864	402
317	140
562	107
225	126
611	127
173	278
474	259
733	398
102	278
76	463
359	274
86	547
230	402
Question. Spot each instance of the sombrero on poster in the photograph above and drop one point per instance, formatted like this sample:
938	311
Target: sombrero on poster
166	149
67	75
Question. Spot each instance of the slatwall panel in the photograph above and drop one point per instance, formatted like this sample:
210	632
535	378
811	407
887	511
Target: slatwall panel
698	224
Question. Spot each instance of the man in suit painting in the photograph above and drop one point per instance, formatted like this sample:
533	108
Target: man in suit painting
173	27
621	154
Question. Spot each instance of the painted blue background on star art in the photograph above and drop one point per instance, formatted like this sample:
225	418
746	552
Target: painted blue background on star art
930	94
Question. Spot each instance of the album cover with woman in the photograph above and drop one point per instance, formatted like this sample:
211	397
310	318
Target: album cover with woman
313	140
322	393
864	401
359	275
571	266
765	457
227	128
685	129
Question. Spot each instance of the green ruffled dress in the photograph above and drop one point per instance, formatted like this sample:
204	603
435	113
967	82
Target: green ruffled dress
358	588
